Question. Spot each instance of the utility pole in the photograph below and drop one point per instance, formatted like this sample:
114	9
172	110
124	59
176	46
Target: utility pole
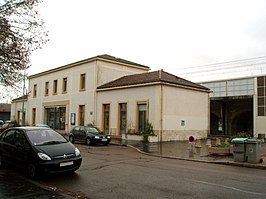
23	99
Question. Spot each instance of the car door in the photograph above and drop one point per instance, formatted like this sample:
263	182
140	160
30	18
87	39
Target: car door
7	146
82	133
76	133
22	150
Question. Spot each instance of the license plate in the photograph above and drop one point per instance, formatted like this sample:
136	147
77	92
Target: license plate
62	164
104	140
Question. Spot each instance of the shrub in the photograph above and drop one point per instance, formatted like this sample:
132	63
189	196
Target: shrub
148	132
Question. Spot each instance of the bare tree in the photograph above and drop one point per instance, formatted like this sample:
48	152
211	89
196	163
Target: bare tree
21	32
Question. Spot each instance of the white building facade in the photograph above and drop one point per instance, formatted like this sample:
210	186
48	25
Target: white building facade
175	111
82	93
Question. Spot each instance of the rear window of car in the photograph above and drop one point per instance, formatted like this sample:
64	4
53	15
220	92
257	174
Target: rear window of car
93	130
76	128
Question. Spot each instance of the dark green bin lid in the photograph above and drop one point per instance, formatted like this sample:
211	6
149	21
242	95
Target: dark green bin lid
239	140
254	141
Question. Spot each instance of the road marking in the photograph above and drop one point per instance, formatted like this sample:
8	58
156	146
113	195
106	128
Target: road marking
227	187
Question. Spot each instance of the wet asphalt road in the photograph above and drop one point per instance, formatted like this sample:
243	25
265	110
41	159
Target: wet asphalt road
121	172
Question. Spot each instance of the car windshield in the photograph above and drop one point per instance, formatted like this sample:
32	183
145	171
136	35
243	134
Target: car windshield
45	137
93	130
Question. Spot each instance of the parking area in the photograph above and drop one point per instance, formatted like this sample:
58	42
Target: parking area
117	171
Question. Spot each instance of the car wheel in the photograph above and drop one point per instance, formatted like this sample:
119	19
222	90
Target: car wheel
71	139
88	141
32	171
2	164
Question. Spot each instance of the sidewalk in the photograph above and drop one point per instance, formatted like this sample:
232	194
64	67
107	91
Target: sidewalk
183	150
13	185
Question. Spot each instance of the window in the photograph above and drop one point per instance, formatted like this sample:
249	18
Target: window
106	118
33	116
20	140
64	89
35	90
81	115
142	116
261	82
46	92
18	116
82	82
123	118
236	87
55	87
9	136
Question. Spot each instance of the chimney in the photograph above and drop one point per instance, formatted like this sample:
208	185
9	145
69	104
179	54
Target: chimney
160	74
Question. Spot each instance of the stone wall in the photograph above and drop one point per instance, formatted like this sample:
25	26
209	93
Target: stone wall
183	135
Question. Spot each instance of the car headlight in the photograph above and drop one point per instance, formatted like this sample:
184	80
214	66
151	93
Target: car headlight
77	152
97	137
108	137
43	156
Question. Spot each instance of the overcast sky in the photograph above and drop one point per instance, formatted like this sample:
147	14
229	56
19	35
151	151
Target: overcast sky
161	34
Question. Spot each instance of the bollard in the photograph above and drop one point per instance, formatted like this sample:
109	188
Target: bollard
218	141
198	143
226	141
209	142
191	146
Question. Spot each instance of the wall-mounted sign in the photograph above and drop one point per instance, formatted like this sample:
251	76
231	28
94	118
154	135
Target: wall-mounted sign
73	119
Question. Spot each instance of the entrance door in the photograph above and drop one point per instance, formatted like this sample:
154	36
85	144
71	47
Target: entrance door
81	115
56	117
106	118
123	118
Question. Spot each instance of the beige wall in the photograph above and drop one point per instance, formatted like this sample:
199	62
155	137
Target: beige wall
131	96
185	113
178	104
97	72
107	71
71	100
260	125
15	107
184	104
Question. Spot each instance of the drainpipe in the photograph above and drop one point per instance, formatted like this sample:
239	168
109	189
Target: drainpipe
255	105
161	114
95	92
161	130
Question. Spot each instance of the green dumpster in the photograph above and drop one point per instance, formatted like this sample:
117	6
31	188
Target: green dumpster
253	151
239	149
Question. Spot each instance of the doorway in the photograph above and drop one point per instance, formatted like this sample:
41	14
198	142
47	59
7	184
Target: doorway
56	117
123	118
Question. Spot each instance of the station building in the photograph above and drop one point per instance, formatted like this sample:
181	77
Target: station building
118	96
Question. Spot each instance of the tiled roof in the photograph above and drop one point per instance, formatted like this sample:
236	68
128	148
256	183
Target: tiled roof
151	77
20	98
112	58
